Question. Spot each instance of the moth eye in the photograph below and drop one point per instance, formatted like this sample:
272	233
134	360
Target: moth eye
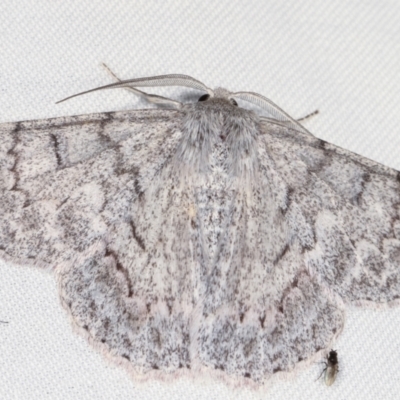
204	97
233	101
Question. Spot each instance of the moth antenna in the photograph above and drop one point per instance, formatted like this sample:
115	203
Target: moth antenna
152	98
269	106
152	81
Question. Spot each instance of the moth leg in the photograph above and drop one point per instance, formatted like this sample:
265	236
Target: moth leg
151	98
308	116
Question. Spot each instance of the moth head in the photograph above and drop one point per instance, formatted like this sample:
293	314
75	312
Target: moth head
276	114
219	93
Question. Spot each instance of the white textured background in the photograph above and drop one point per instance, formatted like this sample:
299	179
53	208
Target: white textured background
340	57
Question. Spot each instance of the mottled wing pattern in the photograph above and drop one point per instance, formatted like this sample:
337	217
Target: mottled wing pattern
264	310
147	279
348	207
190	239
319	225
202	275
64	180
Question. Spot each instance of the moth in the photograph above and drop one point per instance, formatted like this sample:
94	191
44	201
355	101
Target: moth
331	368
200	238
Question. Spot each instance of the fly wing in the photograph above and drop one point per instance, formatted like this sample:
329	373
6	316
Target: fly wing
330	374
